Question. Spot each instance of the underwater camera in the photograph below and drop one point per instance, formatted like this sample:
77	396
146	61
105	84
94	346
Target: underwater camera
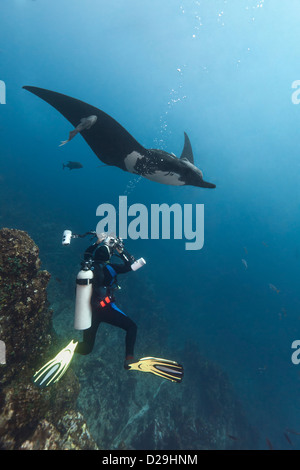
112	241
116	243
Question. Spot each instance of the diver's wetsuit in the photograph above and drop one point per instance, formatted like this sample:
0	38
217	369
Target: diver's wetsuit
104	278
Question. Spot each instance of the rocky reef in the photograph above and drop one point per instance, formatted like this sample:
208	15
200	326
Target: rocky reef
31	418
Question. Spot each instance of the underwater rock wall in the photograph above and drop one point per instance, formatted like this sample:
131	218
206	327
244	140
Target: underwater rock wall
31	418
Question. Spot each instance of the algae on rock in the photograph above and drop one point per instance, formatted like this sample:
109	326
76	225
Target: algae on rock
31	418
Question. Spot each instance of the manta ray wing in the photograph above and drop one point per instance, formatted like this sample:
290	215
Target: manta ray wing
107	138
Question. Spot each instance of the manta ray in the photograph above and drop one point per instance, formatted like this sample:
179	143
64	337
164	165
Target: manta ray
114	146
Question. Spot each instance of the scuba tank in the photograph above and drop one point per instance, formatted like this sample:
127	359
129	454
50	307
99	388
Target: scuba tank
83	308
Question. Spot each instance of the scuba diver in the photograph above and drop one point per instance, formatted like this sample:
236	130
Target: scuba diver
103	304
95	303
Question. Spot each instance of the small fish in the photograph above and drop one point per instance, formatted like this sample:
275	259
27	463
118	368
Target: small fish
57	279
274	288
269	444
72	165
245	263
287	438
245	249
265	244
85	123
234	438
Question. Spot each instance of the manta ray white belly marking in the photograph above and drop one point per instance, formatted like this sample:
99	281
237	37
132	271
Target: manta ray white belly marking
135	160
131	159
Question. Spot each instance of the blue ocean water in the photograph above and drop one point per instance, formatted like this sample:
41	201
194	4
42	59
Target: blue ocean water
222	71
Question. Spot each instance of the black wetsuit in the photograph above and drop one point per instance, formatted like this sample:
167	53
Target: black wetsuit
104	279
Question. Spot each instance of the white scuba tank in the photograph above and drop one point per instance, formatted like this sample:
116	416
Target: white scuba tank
83	308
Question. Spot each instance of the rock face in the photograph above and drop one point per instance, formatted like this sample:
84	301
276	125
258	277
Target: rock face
31	418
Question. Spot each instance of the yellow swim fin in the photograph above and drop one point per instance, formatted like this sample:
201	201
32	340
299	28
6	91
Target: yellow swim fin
55	369
162	367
